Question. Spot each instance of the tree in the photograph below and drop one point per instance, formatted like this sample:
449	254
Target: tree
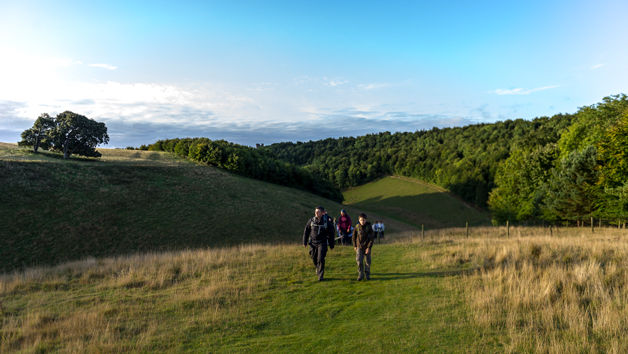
37	135
77	134
519	181
572	191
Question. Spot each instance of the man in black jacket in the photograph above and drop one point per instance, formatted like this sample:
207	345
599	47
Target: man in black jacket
320	232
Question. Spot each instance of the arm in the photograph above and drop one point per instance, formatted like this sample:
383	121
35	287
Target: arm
306	233
370	244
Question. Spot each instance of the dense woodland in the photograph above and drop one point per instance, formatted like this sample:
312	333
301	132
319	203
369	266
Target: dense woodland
463	160
567	167
246	161
564	167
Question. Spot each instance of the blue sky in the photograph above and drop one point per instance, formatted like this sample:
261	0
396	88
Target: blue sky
271	71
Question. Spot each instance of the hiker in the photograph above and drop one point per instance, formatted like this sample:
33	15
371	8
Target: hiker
375	229
380	228
344	227
320	232
362	244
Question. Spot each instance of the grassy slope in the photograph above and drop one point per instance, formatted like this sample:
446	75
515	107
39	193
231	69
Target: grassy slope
245	299
53	210
413	202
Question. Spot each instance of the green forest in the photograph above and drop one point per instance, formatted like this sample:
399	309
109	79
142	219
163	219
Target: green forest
564	167
249	162
559	168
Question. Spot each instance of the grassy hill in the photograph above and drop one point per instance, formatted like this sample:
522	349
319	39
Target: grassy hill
414	202
53	210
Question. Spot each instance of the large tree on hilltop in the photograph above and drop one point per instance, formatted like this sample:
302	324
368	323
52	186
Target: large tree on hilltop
37	136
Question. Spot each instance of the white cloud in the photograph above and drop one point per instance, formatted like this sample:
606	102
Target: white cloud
372	86
598	66
104	66
522	91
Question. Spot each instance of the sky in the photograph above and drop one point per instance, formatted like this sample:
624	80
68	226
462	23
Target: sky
271	71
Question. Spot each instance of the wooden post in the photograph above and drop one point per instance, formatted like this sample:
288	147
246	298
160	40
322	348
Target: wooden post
592	225
467	230
422	232
551	233
618	224
507	229
600	223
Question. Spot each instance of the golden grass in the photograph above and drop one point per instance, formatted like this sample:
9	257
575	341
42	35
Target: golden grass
564	293
113	316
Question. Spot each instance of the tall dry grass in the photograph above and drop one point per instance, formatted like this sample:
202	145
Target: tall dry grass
563	292
48	309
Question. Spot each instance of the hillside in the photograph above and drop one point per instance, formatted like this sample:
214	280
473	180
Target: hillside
52	210
414	202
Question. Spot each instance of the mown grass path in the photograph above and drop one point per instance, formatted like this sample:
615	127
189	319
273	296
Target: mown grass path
236	300
403	308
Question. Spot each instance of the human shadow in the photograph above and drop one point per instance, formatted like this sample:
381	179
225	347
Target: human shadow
434	274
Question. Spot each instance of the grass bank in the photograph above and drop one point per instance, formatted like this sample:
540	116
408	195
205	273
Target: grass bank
54	210
415	203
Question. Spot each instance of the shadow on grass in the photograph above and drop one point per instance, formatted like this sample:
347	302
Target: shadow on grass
434	274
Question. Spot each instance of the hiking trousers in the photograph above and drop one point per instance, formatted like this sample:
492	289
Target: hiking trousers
364	262
318	252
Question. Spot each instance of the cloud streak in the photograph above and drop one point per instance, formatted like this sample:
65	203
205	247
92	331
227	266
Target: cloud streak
104	66
522	91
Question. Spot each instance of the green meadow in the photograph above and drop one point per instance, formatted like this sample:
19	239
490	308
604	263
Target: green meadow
415	203
53	210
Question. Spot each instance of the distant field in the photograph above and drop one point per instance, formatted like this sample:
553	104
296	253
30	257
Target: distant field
415	203
53	210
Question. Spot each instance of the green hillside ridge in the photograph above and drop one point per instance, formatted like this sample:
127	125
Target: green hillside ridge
414	202
54	210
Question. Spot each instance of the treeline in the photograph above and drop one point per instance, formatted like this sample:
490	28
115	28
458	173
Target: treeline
582	175
254	163
464	160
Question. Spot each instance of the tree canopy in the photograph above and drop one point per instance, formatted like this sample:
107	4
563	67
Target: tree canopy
68	132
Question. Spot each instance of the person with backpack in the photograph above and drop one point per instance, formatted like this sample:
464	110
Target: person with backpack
320	232
362	244
375	229
344	227
381	228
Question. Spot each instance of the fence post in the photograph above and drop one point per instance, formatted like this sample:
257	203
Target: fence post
600	223
551	233
467	230
507	229
618	224
422	232
592	225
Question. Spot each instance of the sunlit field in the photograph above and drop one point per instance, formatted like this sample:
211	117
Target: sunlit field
444	292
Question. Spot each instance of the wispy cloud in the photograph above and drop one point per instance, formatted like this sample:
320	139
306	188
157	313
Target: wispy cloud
522	91
598	66
104	66
372	86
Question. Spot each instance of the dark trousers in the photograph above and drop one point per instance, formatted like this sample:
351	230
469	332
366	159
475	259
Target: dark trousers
318	252
344	237
364	263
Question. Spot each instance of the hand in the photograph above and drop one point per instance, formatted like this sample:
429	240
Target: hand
304	245
355	248
368	250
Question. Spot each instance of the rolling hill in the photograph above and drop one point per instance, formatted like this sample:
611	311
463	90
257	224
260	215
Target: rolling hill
128	201
414	202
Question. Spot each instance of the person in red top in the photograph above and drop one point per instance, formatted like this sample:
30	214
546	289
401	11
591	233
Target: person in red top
344	227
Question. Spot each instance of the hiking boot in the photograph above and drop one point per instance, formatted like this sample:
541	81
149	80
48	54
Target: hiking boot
368	277
320	279
360	277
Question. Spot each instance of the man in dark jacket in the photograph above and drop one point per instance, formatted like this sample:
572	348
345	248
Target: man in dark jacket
320	232
362	243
